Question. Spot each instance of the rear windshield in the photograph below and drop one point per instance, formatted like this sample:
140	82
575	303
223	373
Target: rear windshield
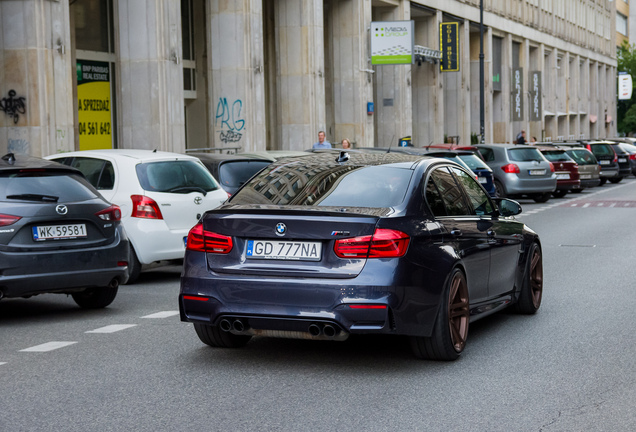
525	155
602	150
44	187
474	162
582	157
341	186
175	176
234	174
557	156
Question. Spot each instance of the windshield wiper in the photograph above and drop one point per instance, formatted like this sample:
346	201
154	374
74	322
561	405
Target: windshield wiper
188	189
34	197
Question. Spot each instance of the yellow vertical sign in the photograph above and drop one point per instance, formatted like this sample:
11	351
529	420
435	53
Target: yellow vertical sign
93	105
449	46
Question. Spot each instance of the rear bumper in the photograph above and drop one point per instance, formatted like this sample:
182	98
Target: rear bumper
588	183
568	184
154	241
293	304
515	185
30	273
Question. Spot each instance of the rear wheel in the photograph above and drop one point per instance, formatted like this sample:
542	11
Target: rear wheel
215	337
616	179
576	190
451	326
559	193
541	198
532	289
499	189
134	267
603	181
95	298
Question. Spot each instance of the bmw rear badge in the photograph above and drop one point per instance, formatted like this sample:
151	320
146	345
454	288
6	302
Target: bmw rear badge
281	229
61	209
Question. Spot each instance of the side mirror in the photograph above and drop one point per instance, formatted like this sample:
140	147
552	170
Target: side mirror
508	207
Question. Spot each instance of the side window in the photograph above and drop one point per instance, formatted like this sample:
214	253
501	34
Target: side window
450	192
488	154
107	179
98	172
434	198
476	195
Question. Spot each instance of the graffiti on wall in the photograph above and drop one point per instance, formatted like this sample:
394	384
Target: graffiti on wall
13	106
228	120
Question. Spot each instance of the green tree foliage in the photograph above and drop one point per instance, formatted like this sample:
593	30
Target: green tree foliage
627	108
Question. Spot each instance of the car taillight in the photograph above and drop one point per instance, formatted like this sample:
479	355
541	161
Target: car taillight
511	169
384	243
201	240
632	156
112	213
6	219
144	207
551	167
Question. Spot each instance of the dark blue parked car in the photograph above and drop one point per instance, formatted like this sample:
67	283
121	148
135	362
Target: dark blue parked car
335	244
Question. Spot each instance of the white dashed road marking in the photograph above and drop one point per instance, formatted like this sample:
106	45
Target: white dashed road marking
1	363
111	328
165	314
49	346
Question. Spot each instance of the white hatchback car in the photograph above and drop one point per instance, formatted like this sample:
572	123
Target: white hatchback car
161	195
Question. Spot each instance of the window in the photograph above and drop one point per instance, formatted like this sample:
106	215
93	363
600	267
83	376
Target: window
450	191
621	23
66	187
525	155
175	177
98	172
476	195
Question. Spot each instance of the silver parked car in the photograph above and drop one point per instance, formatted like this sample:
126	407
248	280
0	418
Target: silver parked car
519	170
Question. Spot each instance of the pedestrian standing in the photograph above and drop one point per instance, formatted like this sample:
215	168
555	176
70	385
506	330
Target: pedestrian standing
322	144
521	138
346	144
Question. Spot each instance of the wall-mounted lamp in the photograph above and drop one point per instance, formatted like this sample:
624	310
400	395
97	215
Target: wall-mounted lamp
175	57
60	47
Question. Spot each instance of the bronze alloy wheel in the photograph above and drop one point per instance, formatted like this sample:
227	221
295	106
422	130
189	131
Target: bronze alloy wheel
458	311
536	277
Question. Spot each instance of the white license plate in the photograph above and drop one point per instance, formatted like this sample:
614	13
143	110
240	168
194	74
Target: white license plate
586	176
58	232
284	250
563	176
537	172
483	180
604	162
622	160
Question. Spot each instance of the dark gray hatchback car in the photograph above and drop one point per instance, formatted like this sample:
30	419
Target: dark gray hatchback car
58	234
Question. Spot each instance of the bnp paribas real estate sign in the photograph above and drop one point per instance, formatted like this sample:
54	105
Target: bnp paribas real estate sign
392	42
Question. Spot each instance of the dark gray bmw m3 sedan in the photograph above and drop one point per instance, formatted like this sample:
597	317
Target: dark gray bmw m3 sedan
326	246
58	234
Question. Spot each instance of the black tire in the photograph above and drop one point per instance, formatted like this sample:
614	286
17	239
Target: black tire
541	198
215	337
532	289
616	180
603	181
134	267
576	191
560	193
500	192
95	298
451	325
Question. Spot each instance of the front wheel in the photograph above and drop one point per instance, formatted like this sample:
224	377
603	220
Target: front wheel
215	337
451	325
603	181
616	180
532	289
95	298
499	189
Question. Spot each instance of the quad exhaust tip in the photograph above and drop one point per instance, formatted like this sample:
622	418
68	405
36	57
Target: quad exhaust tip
315	330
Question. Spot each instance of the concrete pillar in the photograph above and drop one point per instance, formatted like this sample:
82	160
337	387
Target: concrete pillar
524	62
427	98
352	83
394	115
594	100
584	105
151	84
236	74
36	78
549	99
488	88
300	83
463	95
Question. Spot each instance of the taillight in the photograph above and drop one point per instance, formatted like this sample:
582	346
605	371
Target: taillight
144	207
551	167
384	243
112	213
206	241
6	219
511	169
632	156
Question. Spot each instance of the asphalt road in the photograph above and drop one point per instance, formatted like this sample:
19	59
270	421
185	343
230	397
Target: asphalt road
134	366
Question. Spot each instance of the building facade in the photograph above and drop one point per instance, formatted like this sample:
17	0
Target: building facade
249	75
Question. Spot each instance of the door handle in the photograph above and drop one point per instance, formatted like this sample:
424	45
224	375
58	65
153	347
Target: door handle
456	232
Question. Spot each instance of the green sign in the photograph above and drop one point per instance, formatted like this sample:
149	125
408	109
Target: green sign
391	42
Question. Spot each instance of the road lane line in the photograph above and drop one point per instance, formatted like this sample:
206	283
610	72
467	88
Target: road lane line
111	328
49	346
1	363
165	314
